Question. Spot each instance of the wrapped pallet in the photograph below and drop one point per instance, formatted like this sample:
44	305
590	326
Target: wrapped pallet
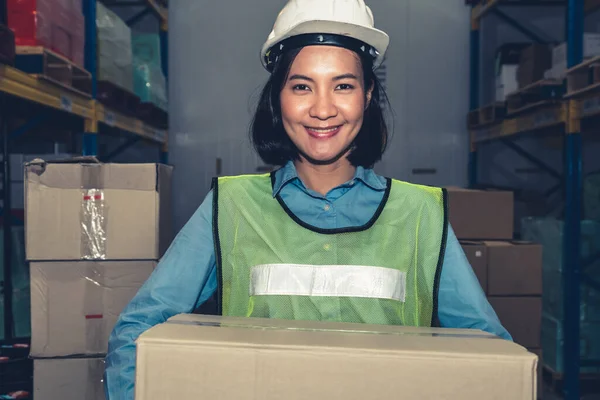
148	80
114	49
548	232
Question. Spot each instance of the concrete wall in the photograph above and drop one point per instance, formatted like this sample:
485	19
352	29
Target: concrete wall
215	76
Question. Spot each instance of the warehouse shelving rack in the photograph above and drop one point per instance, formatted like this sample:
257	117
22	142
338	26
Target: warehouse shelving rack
564	118
41	102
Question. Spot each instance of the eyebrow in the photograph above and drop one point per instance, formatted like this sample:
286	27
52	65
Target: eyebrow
337	78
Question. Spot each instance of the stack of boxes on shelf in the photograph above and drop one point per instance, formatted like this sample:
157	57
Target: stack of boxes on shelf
521	64
591	48
148	80
535	59
507	63
549	232
54	24
131	62
510	272
114	49
94	233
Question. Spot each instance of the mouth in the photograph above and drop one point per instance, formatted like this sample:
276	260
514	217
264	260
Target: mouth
323	133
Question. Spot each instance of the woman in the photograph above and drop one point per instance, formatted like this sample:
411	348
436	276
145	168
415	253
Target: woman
323	237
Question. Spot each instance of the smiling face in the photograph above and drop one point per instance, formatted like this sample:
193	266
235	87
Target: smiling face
323	102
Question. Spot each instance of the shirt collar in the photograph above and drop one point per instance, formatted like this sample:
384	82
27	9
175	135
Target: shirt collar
288	173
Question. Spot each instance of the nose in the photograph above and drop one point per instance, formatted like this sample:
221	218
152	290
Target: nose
323	107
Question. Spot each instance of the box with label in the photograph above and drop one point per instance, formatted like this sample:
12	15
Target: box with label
266	359
75	304
481	214
476	253
83	209
69	378
522	318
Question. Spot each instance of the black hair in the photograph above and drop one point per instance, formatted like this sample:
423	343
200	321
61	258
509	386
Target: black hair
272	143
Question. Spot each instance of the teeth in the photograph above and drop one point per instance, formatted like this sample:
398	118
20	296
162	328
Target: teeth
323	130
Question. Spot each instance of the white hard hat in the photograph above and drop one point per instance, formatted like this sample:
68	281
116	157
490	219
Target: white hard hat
346	23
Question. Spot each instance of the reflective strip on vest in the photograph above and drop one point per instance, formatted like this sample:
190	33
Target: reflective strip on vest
328	280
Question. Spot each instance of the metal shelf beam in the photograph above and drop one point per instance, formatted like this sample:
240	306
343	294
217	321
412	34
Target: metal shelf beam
24	86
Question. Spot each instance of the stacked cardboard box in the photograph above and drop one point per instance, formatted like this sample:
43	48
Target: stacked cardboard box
549	232
510	272
114	49
534	62
55	24
94	233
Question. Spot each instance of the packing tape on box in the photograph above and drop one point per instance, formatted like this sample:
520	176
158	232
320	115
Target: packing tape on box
93	307
93	215
473	335
93	225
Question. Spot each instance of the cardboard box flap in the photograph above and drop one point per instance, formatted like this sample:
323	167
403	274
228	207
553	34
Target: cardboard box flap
71	160
88	173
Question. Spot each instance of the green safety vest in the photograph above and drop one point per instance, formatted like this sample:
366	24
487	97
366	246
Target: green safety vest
270	264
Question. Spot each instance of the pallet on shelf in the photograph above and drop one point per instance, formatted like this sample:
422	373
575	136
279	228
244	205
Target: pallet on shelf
153	115
491	113
117	98
583	78
50	66
537	94
7	45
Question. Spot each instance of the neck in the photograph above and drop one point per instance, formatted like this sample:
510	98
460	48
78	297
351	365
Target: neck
323	178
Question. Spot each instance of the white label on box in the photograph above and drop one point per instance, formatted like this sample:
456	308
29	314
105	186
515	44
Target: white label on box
478	253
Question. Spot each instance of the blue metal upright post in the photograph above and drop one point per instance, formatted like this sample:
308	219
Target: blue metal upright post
473	93
89	13
90	140
164	61
6	224
571	262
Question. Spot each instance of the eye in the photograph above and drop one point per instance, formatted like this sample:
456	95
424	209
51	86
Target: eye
301	87
345	86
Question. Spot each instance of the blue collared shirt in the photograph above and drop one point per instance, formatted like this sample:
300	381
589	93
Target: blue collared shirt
186	276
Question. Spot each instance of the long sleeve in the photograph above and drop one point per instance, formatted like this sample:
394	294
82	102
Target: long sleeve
462	302
183	280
